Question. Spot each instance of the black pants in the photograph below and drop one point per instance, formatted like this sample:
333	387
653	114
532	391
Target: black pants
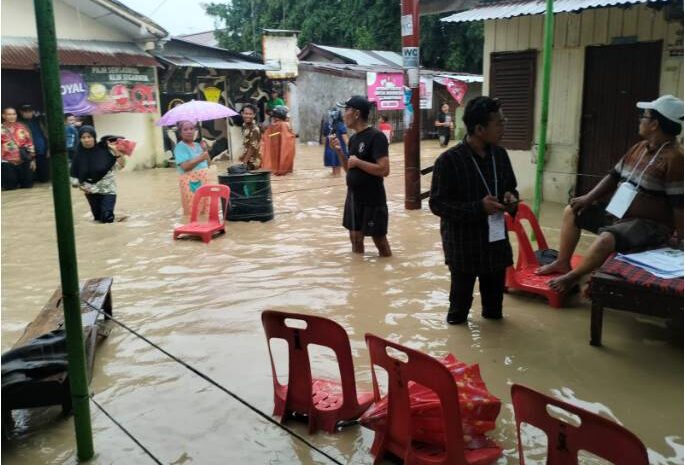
14	176
42	173
491	292
102	206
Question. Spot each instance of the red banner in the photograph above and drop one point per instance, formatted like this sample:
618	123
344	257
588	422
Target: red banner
455	87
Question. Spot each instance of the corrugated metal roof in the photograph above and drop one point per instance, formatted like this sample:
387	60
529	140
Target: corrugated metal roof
181	52
359	71
365	57
464	77
201	38
22	53
536	7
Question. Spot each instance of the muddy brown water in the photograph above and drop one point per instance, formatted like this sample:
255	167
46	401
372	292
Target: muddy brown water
202	303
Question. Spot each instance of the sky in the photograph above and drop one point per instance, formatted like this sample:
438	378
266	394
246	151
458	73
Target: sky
176	16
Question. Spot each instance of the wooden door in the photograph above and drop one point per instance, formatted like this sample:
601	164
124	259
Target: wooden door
616	77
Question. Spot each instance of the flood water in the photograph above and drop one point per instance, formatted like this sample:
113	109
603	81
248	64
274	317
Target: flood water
203	302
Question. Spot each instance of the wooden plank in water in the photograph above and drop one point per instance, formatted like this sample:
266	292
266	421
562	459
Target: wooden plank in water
95	291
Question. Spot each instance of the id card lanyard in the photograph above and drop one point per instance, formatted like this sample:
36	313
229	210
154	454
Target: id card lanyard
626	193
494	170
496	230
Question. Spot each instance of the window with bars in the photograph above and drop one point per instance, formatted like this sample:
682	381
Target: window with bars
512	81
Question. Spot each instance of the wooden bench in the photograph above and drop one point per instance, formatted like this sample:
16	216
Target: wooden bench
54	389
607	290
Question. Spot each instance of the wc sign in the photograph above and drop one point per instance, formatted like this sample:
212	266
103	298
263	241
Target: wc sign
410	57
410	62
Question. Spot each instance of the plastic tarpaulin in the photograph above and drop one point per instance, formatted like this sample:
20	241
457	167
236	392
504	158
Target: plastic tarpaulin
479	409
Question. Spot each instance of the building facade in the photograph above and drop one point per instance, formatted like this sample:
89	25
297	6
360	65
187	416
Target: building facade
107	74
604	60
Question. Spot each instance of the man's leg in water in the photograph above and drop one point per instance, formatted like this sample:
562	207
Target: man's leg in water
357	240
382	245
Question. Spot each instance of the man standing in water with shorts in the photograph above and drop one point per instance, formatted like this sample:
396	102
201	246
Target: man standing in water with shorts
366	208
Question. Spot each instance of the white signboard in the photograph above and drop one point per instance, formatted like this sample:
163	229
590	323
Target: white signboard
426	93
407	26
283	50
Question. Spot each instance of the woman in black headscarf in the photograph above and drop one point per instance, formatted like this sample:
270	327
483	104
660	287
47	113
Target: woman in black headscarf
93	166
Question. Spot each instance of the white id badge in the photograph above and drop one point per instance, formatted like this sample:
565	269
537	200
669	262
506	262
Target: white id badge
623	197
496	231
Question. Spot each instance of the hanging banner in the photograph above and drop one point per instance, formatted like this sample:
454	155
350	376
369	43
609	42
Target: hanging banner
96	90
455	87
386	90
426	93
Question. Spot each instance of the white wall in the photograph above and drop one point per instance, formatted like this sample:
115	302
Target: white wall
138	127
18	19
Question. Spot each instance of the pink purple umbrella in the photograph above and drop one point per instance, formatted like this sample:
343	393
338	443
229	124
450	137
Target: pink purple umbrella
195	110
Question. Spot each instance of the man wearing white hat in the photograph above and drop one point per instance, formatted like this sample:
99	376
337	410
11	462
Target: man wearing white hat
646	191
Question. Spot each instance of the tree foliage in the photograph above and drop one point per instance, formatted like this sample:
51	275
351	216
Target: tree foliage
362	24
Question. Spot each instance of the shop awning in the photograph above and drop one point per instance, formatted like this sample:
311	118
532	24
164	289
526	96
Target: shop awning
184	53
22	53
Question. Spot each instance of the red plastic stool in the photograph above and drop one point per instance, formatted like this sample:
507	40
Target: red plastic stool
215	223
326	403
522	276
595	434
397	437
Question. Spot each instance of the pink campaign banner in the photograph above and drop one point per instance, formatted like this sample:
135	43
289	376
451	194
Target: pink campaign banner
386	90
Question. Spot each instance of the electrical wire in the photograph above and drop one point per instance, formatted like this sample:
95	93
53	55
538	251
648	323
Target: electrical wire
215	384
126	432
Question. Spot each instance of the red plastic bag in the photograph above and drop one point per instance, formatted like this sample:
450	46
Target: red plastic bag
125	146
478	408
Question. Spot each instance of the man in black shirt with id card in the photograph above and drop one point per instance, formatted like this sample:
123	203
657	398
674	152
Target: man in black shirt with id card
366	208
473	185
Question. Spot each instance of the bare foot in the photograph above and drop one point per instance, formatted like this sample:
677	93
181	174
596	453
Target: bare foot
555	267
563	283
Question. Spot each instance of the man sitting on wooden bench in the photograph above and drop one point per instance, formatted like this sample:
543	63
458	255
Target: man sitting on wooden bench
647	202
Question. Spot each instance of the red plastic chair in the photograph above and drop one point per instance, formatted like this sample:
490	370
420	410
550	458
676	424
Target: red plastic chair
397	439
321	400
215	223
595	434
522	276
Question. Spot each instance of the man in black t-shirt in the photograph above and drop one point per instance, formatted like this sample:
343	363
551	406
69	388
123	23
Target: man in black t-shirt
366	209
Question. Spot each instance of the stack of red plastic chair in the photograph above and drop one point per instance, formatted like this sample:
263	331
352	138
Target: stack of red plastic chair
594	434
522	275
400	429
215	223
326	403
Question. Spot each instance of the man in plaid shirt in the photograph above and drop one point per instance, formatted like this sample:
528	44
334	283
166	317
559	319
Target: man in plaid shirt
473	185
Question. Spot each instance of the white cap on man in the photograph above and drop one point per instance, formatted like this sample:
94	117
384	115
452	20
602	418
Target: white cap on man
668	106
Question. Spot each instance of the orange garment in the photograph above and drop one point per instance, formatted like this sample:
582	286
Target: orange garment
278	148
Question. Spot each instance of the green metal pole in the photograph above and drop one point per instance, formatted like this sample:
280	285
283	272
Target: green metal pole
546	74
78	380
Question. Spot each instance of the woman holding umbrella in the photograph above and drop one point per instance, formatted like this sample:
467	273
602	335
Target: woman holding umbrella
192	164
192	158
